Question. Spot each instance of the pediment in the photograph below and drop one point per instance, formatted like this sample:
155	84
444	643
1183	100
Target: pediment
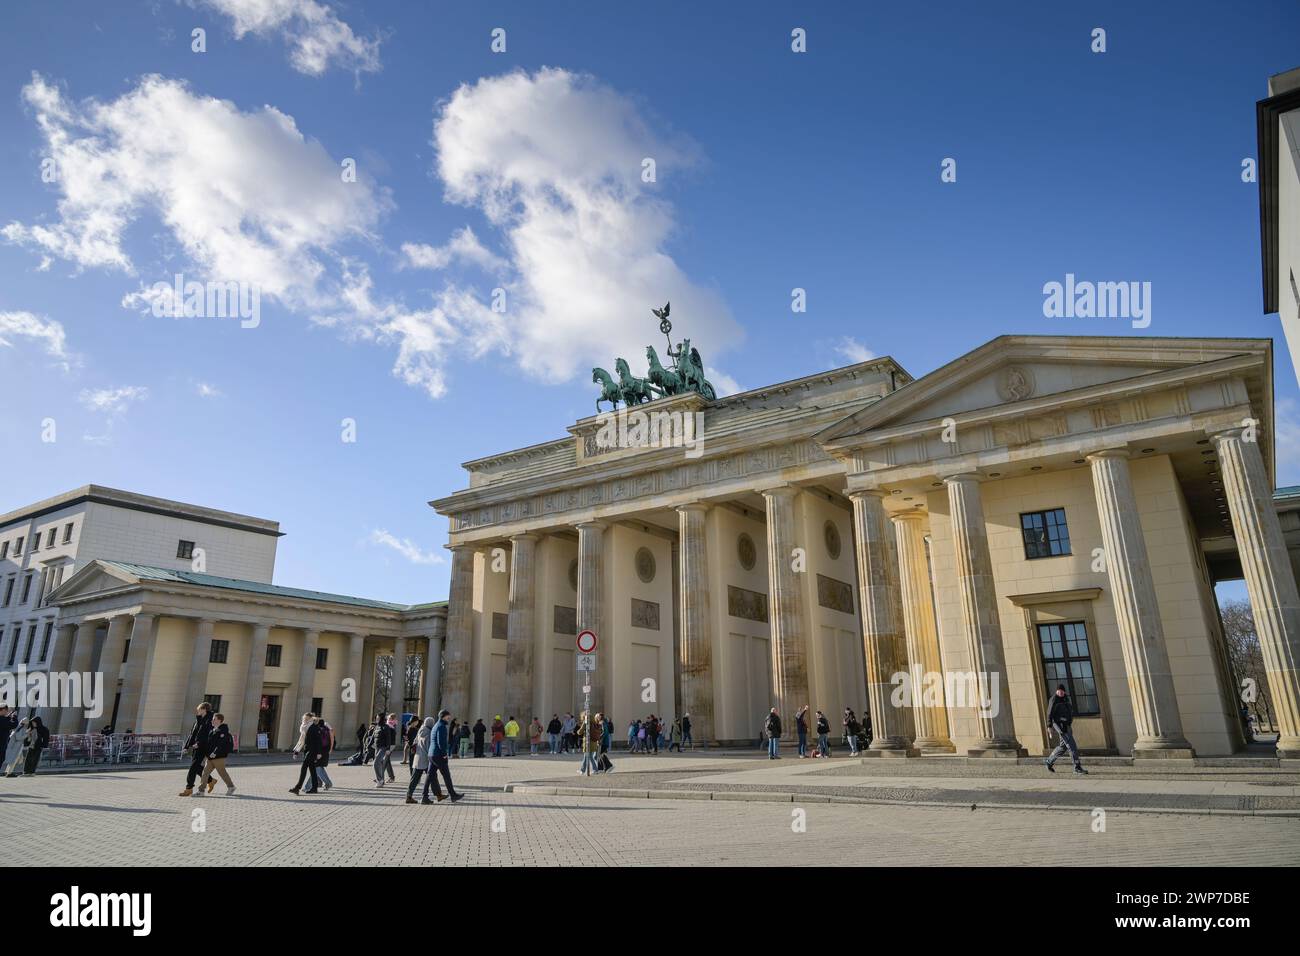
92	579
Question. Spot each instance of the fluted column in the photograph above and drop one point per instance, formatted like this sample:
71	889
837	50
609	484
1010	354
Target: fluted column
247	729
922	638
131	710
60	658
73	719
979	619
696	634
352	708
110	664
591	607
460	633
521	628
433	668
397	689
1137	610
306	688
1270	580
789	623
882	626
198	679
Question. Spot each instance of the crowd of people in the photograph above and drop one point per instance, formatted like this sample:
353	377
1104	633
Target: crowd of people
21	742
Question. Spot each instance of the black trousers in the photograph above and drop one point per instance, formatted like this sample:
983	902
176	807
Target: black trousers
196	767
33	758
439	765
308	764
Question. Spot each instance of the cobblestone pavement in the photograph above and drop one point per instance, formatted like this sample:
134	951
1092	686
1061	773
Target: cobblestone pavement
135	818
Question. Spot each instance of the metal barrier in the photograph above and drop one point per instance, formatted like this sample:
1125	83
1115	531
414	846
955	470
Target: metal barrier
88	749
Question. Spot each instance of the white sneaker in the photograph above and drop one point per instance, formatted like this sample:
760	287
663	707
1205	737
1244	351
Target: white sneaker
230	789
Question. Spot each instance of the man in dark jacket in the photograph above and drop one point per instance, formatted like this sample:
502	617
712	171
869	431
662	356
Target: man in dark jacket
385	738
220	743
311	754
773	730
197	745
439	752
1060	715
8	721
553	731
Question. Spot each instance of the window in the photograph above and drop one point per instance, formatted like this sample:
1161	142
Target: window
27	589
67	532
126	650
322	659
45	641
52	538
1066	661
273	655
31	639
1046	534
18	546
4	550
185	549
317	705
13	644
219	651
9	590
215	701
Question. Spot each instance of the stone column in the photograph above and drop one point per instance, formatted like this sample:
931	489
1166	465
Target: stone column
591	608
979	619
352	708
72	720
64	635
433	668
198	680
460	633
131	710
110	664
521	629
882	625
253	689
922	637
1270	580
1137	610
397	689
695	620
789	624
306	688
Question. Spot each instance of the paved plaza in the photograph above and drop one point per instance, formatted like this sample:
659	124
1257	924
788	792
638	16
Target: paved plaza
669	810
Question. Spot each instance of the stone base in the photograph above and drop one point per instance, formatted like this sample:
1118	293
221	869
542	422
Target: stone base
1008	753
934	746
901	752
1169	753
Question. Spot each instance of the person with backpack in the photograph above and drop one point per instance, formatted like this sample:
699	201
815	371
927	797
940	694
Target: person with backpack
851	728
801	726
220	743
385	739
1060	717
823	735
773	729
198	744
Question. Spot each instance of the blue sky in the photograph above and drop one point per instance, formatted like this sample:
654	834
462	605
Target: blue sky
774	170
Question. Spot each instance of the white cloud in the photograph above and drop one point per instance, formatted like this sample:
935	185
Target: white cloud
554	160
204	390
112	401
1286	436
245	195
45	332
405	547
723	384
317	38
853	351
462	247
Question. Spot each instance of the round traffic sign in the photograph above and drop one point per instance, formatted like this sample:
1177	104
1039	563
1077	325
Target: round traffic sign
587	642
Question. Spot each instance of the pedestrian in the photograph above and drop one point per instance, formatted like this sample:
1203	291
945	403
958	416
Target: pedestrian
465	739
326	745
408	742
8	723
1060	717
773	730
498	735
512	734
652	733
553	731
311	752
851	728
687	740
420	764
393	738
362	732
675	737
590	735
568	727
604	764
16	753
534	737
220	743
438	752
307	720
198	745
801	726
479	732
385	738
823	735
631	735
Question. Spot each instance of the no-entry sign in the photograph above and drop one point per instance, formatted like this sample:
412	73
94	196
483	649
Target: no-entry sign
587	642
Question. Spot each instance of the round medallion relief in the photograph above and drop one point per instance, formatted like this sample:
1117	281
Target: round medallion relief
832	536
645	565
1015	383
746	551
573	574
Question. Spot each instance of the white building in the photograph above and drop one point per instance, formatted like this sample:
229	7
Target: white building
1278	121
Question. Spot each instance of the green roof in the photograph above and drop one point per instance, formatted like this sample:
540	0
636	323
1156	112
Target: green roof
1290	491
257	587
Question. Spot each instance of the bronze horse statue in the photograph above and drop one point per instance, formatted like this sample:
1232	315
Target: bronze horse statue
609	389
668	381
635	390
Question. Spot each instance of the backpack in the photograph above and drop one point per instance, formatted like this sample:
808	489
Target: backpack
43	736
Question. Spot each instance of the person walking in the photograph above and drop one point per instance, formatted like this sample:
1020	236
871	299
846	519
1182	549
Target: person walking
8	724
197	743
220	743
420	764
675	736
590	735
534	737
392	745
16	753
512	735
1060	717
311	746
604	764
408	743
307	720
326	745
38	739
851	728
553	731
438	751
773	730
687	741
385	738
801	726
567	729
823	735
480	731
